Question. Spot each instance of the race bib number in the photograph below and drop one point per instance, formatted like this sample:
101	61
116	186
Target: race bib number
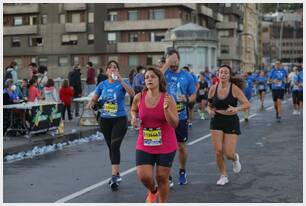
110	107
152	136
278	83
180	107
202	91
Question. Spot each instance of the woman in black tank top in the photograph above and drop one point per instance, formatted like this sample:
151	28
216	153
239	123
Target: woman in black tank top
224	125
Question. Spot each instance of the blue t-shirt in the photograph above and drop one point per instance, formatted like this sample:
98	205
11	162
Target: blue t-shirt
112	98
281	76
208	80
138	81
301	80
13	95
261	82
195	79
181	83
249	84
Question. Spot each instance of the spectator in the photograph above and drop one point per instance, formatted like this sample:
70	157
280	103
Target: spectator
90	79
50	93
32	70
34	93
23	90
66	94
131	78
42	77
101	76
10	95
75	82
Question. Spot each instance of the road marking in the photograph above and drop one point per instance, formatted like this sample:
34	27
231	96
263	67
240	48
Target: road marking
104	182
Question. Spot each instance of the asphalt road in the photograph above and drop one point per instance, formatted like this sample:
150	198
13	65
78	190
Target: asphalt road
271	155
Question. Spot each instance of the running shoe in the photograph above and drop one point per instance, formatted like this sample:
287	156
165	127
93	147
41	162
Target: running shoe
183	178
171	183
223	180
236	164
152	197
114	183
278	119
190	124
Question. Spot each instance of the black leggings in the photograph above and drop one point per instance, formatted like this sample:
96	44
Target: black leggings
114	129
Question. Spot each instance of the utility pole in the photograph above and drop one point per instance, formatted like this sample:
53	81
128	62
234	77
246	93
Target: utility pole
281	38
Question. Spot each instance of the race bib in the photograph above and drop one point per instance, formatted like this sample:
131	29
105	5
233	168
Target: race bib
202	91
180	107
278	83
110	107
261	87
152	136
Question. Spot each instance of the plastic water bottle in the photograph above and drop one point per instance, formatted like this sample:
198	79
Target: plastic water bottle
178	91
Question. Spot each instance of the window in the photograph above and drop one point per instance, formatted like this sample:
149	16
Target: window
90	17
94	60
224	49
43	19
265	29
35	41
149	60
132	15
91	39
157	14
111	37
76	18
133	61
62	18
157	36
17	20
227	5
33	20
15	41
43	61
133	37
113	16
224	33
70	39
63	61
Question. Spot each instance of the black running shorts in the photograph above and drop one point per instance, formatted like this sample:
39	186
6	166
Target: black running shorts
181	131
229	124
278	94
145	158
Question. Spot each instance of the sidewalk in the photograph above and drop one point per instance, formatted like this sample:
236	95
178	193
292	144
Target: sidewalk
72	131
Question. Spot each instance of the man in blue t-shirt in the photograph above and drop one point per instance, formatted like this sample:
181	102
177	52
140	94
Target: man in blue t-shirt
180	84
249	78
279	78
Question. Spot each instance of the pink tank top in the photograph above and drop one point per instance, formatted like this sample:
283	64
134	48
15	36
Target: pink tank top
155	136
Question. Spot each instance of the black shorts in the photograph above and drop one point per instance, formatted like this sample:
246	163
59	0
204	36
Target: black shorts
229	124
181	131
296	97
145	158
301	96
201	97
261	91
191	105
278	94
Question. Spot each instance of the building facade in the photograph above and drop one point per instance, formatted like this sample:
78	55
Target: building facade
283	37
61	35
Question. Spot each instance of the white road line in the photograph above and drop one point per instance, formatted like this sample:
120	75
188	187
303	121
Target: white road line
104	182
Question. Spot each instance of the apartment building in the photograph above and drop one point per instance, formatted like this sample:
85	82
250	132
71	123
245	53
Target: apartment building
61	35
56	35
283	37
229	31
136	33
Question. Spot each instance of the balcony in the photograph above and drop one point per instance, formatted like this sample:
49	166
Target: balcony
20	9
139	47
142	24
233	10
138	5
74	7
75	27
206	11
227	25
16	30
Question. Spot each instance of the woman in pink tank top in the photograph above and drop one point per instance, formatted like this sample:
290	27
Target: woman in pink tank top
156	144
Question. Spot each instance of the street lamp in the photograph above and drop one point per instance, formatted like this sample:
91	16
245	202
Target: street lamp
281	38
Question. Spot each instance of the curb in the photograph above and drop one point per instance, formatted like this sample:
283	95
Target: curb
47	140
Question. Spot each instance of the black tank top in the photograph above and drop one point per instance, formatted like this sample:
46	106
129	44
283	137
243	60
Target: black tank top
222	104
